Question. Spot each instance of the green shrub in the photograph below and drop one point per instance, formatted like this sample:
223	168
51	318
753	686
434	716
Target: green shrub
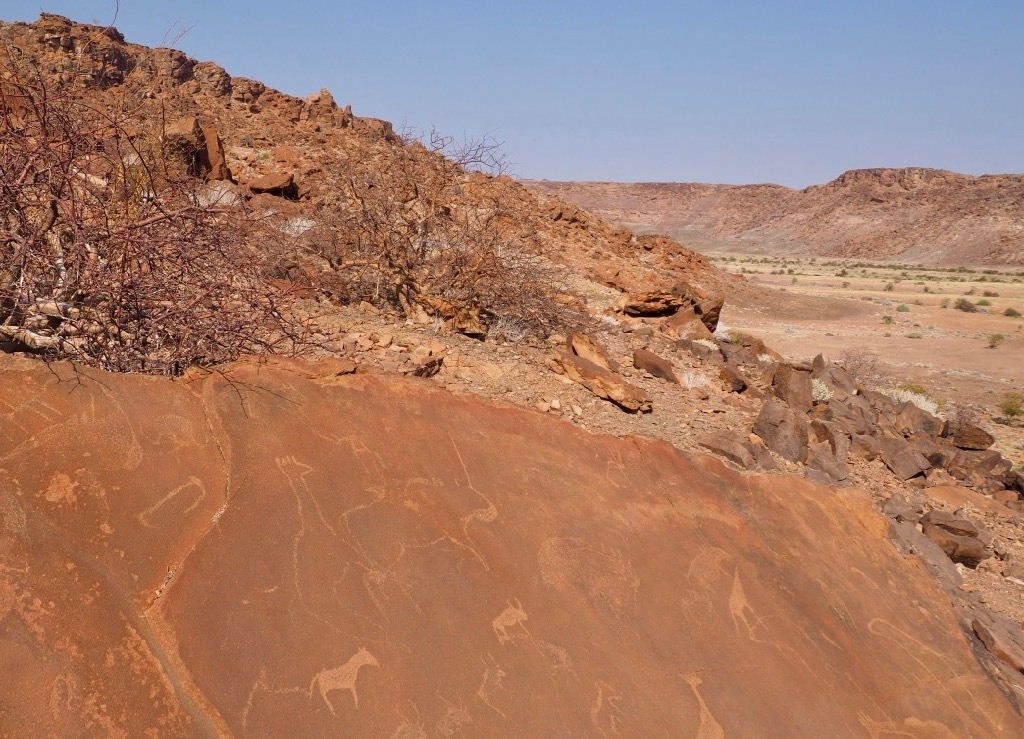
1012	405
887	320
995	340
913	387
985	303
903	308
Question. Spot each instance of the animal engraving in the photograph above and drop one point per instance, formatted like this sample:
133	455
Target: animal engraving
709	728
512	616
343	678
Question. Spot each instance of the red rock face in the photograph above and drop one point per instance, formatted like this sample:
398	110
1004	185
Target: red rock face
287	555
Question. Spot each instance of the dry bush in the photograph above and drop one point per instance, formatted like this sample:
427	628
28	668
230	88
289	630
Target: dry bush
861	363
425	236
107	253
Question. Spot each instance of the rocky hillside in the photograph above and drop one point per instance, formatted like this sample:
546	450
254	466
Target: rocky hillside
310	161
914	215
280	549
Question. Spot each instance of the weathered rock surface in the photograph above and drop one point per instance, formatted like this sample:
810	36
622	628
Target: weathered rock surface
601	382
970	436
957	537
281	184
792	385
742	452
655	365
273	551
902	459
585	346
784	432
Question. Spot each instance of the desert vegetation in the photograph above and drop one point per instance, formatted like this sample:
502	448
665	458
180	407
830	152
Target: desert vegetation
114	253
108	253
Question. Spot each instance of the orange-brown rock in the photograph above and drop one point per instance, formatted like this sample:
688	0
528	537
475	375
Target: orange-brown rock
601	382
587	347
280	184
260	552
648	361
685	324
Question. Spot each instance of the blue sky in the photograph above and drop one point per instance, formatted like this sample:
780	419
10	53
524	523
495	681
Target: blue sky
788	91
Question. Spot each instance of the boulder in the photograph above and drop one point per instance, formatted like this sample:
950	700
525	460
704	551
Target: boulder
983	468
853	414
866	447
279	184
705	304
911	420
967	550
938	454
908	540
1002	638
653	304
821	458
832	375
902	459
900	508
601	382
836	438
657	366
685	324
215	162
585	346
951	523
957	537
734	380
971	436
660	303
793	386
701	350
742	452
783	431
196	148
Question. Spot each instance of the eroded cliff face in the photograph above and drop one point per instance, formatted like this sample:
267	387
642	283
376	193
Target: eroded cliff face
279	550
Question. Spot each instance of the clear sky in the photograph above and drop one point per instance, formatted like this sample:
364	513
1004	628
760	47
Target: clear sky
788	91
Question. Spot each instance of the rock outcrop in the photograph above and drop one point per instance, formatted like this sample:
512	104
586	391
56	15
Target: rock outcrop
279	549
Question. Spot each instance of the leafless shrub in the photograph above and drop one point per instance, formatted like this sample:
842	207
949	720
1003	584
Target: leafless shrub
861	363
107	254
421	234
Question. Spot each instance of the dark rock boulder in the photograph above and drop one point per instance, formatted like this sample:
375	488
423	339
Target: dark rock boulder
971	436
902	459
784	431
793	386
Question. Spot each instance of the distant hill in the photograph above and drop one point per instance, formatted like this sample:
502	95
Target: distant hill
927	216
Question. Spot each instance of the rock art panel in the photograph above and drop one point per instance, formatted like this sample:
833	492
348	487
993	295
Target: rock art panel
307	555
